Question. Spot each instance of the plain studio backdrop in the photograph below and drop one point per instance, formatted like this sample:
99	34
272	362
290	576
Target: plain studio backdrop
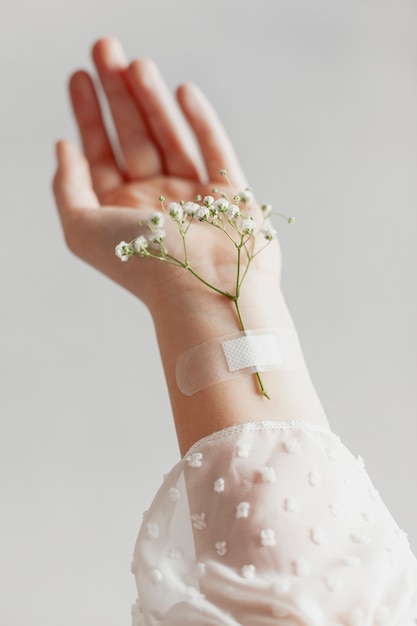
320	99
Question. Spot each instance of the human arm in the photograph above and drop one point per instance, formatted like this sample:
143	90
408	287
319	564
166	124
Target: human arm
101	202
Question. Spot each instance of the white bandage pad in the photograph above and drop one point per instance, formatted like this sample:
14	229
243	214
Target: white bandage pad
246	352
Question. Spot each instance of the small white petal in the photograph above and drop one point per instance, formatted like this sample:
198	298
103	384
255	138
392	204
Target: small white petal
208	201
157	218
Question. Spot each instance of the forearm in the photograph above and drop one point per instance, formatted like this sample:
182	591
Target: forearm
192	320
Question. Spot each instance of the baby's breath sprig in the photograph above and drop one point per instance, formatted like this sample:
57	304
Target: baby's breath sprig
230	214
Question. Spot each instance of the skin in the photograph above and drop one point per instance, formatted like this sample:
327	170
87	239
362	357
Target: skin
175	148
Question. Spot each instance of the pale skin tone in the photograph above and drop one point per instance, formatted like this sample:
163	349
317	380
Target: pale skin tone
175	148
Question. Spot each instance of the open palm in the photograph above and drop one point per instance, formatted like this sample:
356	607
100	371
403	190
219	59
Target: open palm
101	202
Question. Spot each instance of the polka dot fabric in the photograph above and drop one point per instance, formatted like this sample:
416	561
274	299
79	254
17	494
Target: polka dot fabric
272	523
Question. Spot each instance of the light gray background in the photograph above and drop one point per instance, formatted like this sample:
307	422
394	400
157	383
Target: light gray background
320	99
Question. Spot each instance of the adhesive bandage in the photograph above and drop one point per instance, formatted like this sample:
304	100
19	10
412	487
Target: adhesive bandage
242	353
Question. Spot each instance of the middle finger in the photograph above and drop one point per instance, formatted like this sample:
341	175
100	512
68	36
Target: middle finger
142	158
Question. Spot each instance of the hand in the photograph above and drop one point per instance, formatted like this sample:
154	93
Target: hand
100	201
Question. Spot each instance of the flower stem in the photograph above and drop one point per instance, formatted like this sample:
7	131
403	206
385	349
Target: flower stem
257	374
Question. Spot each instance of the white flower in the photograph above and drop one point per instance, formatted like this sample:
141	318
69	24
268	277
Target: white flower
233	211
140	244
157	236
266	210
269	232
122	251
203	213
246	195
156	219
222	205
176	211
191	208
208	200
247	226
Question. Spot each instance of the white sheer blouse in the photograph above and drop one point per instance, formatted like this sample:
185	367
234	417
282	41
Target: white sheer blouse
272	523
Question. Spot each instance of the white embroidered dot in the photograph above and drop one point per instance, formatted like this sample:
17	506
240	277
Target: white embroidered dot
156	576
221	548
314	478
336	510
199	520
331	454
242	509
368	516
268	474
331	582
301	567
152	530
219	485
175	553
291	504
248	571
351	561
318	536
133	567
373	494
195	459
242	449
200	569
268	537
359	537
291	445
173	494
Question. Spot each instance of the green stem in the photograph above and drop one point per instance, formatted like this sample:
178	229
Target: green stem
194	273
257	374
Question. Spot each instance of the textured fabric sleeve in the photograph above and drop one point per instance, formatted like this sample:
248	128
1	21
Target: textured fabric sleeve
272	523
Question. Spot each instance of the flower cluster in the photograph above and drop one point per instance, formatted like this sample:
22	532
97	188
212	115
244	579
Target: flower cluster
230	215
